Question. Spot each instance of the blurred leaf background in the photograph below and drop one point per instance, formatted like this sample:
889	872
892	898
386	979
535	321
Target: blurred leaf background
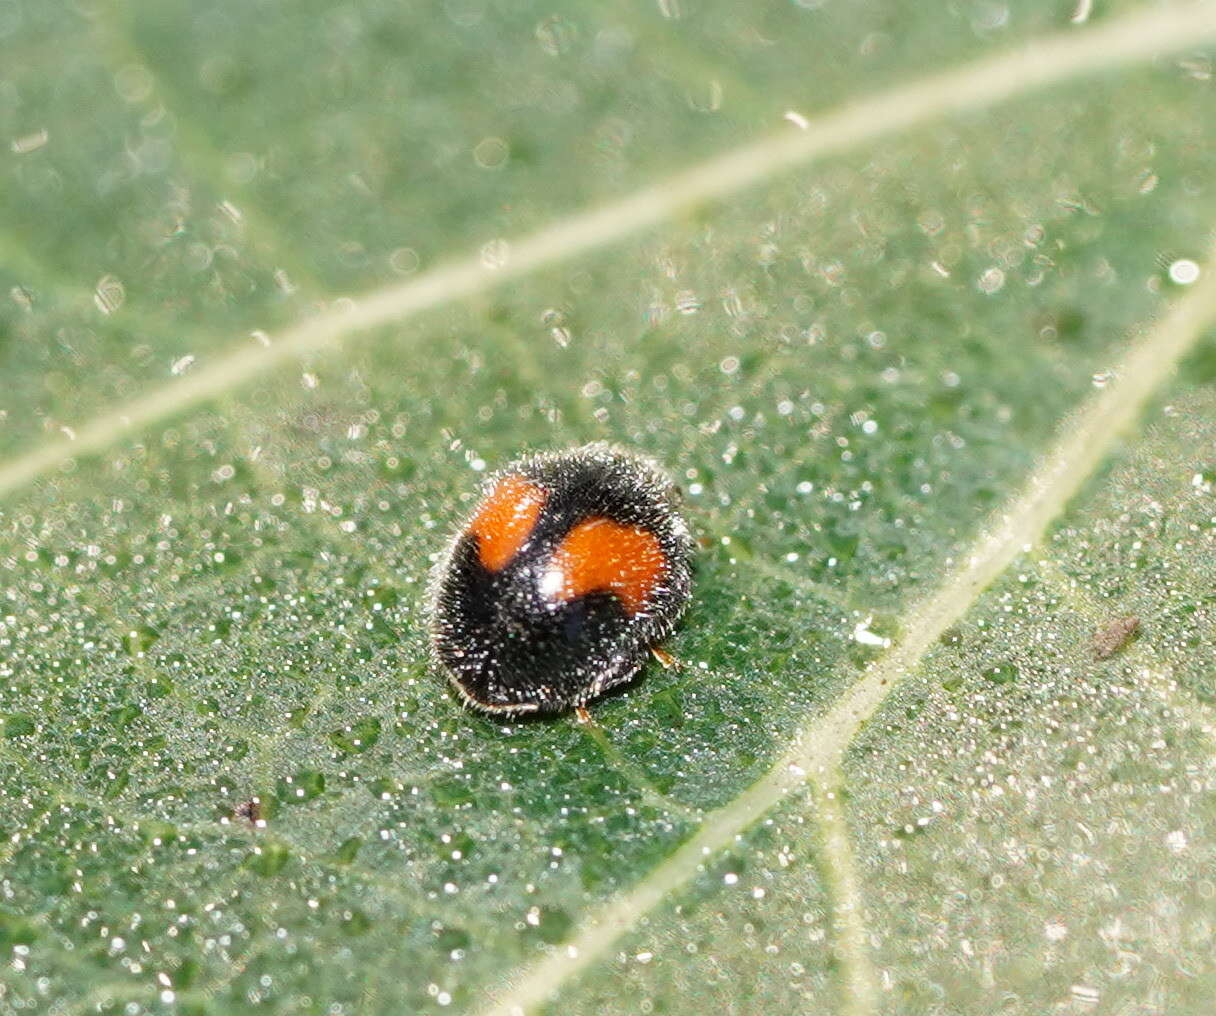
848	369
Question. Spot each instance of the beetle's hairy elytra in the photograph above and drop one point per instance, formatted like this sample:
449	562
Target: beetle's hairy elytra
572	567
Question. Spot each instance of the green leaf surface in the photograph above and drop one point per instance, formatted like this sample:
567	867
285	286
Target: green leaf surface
896	292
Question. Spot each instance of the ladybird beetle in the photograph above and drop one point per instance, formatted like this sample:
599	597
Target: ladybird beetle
572	567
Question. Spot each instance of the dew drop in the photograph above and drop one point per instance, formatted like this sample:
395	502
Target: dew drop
1183	272
30	142
404	261
109	294
992	281
491	153
495	254
687	302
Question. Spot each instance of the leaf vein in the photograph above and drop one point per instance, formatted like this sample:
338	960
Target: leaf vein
991	79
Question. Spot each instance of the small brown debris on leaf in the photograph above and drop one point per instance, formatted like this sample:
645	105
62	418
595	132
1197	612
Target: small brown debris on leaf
1114	635
250	811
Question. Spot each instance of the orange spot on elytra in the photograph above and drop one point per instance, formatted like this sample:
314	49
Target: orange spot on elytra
603	556
505	520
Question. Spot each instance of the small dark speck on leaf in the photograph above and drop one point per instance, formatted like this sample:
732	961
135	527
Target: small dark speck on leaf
250	811
1114	635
